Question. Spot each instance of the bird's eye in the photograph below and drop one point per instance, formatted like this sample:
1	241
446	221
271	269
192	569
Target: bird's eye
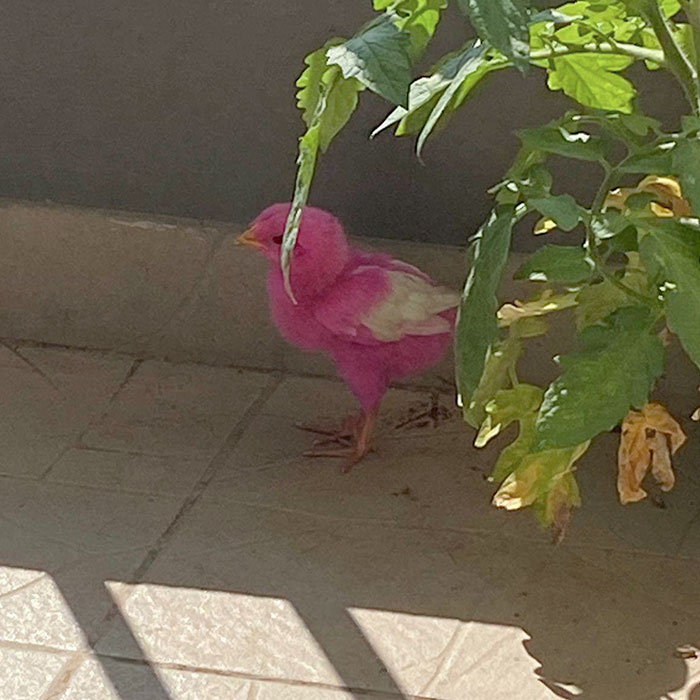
277	240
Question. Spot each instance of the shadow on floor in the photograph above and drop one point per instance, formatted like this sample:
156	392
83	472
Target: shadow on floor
600	617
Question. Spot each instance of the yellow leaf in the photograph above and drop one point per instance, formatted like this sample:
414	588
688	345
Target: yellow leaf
519	489
545	304
696	415
540	476
666	189
649	438
544	226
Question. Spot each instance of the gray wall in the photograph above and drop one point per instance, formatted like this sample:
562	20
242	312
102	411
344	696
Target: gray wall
186	107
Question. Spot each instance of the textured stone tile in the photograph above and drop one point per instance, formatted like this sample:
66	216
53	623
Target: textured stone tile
282	594
103	678
332	402
183	411
260	636
48	401
418	475
26	674
643	526
588	627
129	472
58	546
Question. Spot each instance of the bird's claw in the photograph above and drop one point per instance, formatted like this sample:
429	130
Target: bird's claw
352	455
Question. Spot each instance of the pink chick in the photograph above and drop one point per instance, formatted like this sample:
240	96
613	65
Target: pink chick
378	318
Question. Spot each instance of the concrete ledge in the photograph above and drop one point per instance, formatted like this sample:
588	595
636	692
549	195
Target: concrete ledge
180	290
154	287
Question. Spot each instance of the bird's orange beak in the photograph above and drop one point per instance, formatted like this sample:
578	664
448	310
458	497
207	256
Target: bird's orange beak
248	238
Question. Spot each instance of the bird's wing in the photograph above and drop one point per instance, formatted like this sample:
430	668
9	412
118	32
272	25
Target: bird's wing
373	304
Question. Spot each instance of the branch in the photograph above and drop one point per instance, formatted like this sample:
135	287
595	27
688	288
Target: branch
678	62
605	47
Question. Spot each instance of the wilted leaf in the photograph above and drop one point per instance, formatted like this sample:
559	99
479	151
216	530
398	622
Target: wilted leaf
507	406
500	364
619	362
544	226
667	196
547	303
649	438
544	479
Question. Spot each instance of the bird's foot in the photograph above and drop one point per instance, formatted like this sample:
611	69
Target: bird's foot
344	435
352	454
360	443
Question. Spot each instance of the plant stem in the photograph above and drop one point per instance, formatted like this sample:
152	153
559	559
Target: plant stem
606	47
592	246
692	12
677	61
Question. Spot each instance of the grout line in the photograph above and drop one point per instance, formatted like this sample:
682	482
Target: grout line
204	670
28	646
275	371
78	439
219	460
34	368
60	683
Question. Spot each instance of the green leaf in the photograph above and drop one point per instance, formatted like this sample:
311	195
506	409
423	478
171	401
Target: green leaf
507	406
503	23
477	326
379	56
425	92
670	7
500	364
558	140
512	455
472	67
562	264
309	145
419	18
686	164
592	80
341	95
598	301
676	249
639	124
614	371
561	208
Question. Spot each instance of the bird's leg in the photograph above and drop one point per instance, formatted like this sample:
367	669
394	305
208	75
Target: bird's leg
361	446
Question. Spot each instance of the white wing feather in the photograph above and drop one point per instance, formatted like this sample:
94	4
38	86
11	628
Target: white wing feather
411	308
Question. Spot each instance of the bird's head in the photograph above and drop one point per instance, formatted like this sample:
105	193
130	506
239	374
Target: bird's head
321	251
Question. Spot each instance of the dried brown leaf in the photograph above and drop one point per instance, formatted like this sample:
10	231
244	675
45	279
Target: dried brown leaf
649	438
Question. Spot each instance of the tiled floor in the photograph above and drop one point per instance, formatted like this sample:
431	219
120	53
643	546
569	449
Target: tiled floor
161	537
